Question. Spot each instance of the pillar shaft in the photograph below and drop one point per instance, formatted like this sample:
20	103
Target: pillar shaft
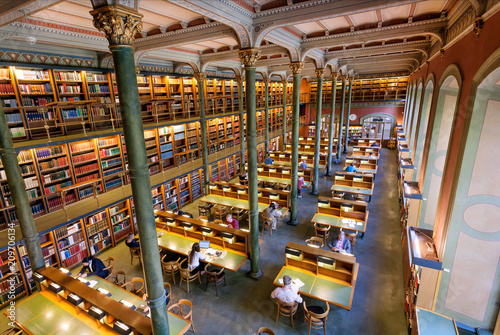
200	78
283	141
121	37
19	196
296	69
351	82
249	57
266	150
242	128
317	125
341	121
331	128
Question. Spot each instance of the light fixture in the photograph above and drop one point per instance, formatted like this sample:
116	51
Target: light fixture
96	312
122	328
74	299
103	291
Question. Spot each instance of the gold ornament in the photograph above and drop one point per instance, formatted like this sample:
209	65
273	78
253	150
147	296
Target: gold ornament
119	25
249	57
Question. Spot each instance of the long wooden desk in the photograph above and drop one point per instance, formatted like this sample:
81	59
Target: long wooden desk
341	213
363	165
177	233
367	142
265	195
282	172
334	284
283	157
238	203
360	184
309	148
430	323
365	152
312	140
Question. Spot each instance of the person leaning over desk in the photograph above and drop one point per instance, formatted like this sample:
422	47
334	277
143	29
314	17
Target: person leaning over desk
351	168
287	293
269	161
94	266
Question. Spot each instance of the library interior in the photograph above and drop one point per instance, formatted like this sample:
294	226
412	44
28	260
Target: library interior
249	167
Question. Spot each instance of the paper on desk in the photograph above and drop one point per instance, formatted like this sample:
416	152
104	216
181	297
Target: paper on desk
298	282
280	281
360	223
92	283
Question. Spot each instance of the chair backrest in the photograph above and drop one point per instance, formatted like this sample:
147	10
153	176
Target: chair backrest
317	319
110	264
212	273
264	330
168	288
169	265
180	309
266	219
218	221
135	251
317	241
136	285
202	218
287	305
185	272
322	230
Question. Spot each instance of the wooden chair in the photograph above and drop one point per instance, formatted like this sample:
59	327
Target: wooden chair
135	286
322	232
168	296
237	213
110	264
316	241
218	221
267	223
215	278
286	309
203	211
283	187
202	218
220	212
180	310
316	316
118	278
135	253
263	331
187	276
170	268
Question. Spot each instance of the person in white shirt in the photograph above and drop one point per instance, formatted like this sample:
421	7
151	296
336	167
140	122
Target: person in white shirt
287	293
194	257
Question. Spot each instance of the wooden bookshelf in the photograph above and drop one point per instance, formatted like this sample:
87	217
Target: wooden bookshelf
99	89
184	187
158	198
110	161
120	220
11	275
150	139
98	232
171	198
71	242
85	162
165	142
11	104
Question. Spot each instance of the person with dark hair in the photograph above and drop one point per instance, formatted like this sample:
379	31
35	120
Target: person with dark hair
351	168
375	145
268	160
303	165
194	257
132	242
94	267
273	214
287	293
178	212
243	177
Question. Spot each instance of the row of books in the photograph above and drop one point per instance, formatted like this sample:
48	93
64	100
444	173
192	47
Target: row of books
8	103
32	75
56	176
99	246
48	251
68	230
35	88
74	76
102	100
56	202
75	258
75	113
36	116
109	152
87	178
69	89
111	162
13	118
96	77
6	89
36	101
99	237
58	162
85	168
49	152
107	141
53	188
77	147
112	172
97	217
84	158
96	88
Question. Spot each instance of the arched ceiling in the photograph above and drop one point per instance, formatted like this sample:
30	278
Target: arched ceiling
368	37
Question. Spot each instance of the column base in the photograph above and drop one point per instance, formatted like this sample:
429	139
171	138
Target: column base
328	174
314	193
292	223
254	276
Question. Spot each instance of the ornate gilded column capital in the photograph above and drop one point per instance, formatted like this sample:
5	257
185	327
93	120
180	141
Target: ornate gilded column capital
239	79
351	81
343	78
296	67
320	73
120	24
200	76
249	57
335	76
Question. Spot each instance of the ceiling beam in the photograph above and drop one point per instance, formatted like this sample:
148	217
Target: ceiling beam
435	27
13	10
421	46
195	34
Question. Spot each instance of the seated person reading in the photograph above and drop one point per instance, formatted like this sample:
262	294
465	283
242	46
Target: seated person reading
132	242
269	161
243	177
194	257
273	214
343	244
351	168
231	222
94	267
303	165
288	293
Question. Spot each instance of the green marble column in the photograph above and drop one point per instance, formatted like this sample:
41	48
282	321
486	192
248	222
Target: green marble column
200	78
317	125
121	38
19	197
296	69
249	57
239	79
266	150
283	141
341	120
351	82
332	126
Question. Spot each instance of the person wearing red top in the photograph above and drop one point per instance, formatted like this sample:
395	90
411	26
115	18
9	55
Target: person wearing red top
300	185
232	222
